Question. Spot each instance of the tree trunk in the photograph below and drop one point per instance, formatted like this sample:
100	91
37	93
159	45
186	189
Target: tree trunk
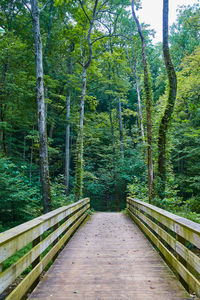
164	124
121	129
134	72
3	146
67	141
138	93
114	157
3	109
31	162
67	133
148	95
112	132
85	66
79	146
44	166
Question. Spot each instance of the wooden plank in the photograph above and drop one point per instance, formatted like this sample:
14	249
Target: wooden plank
25	284
15	239
109	258
9	234
184	273
193	225
9	275
192	259
189	230
161	232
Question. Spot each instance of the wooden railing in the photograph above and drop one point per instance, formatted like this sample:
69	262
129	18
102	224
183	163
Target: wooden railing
47	233
177	239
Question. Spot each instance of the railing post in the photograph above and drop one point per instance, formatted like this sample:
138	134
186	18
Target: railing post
56	240
34	243
181	240
37	260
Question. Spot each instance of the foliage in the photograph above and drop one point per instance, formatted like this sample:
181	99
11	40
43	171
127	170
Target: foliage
19	199
107	178
58	193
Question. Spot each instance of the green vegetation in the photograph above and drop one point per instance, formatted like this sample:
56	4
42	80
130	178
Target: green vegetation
97	112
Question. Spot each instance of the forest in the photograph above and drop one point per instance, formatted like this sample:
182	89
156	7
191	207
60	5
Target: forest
91	107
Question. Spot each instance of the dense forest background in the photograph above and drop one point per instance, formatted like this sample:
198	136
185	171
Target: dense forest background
92	60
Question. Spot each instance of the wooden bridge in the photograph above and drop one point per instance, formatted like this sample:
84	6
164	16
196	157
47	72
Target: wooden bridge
110	257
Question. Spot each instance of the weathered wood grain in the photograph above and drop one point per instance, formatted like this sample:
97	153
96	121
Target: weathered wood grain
15	239
185	262
192	259
109	259
23	287
9	275
20	236
184	273
187	229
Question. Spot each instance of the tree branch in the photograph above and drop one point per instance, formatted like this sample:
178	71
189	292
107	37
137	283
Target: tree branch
102	6
84	11
45	5
99	38
24	3
89	34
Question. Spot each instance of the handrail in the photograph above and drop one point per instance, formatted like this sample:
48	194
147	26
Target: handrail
61	223
171	234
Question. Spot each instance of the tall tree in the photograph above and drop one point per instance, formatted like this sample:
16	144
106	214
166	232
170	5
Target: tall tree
86	61
166	118
44	166
67	128
121	128
133	67
148	95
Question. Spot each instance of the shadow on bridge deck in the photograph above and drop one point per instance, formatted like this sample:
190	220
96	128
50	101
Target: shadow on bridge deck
109	258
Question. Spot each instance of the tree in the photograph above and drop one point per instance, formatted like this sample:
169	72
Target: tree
148	95
184	33
44	165
67	137
166	118
133	66
185	130
85	65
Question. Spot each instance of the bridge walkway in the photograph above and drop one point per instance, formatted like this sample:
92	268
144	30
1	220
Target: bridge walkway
109	258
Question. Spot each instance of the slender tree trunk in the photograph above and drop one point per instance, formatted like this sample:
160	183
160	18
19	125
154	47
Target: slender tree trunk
134	72
3	109
121	129
46	62
148	94
3	145
79	146
85	66
138	93
164	124
44	166
67	141
112	132
31	163
114	157
67	132
51	130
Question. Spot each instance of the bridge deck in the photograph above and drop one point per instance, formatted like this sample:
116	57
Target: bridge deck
109	258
